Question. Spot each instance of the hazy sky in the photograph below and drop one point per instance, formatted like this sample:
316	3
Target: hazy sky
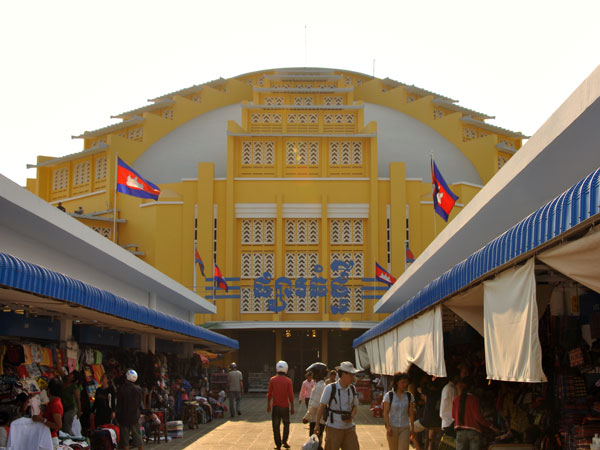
67	66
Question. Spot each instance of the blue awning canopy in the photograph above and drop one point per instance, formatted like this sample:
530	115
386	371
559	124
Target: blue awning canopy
28	278
573	207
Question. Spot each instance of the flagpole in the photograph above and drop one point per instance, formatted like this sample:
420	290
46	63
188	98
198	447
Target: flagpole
214	285
115	198
433	198
195	271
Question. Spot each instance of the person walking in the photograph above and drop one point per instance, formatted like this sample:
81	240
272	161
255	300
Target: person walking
399	413
281	394
307	386
340	401
319	371
71	402
103	409
449	393
129	399
468	420
235	384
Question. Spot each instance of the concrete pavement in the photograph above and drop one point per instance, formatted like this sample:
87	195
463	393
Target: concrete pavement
252	430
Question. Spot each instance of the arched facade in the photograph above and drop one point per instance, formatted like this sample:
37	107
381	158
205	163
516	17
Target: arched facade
280	171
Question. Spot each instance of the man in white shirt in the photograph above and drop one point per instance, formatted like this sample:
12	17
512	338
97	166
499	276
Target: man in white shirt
341	402
449	392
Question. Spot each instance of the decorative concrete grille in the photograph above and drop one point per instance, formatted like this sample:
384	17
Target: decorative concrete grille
81	173
300	264
258	153
168	114
302	231
197	98
104	231
101	168
501	161
254	264
346	231
345	153
258	231
469	134
438	113
507	143
136	134
60	179
356	256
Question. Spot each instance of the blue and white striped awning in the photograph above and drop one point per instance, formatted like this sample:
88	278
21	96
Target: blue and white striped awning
573	207
26	277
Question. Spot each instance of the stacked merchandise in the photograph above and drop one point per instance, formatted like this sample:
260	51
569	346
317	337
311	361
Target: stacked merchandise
577	382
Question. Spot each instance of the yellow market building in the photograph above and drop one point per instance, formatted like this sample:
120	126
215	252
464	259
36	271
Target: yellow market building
273	176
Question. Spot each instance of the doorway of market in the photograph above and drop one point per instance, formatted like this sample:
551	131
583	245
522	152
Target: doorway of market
300	348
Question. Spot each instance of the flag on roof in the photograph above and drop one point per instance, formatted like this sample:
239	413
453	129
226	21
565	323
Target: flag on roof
410	258
443	198
220	279
132	183
383	275
199	262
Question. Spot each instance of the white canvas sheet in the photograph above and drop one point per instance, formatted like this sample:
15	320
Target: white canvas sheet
577	259
419	341
512	346
469	307
361	357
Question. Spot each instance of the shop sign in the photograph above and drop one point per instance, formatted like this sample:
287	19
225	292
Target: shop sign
317	287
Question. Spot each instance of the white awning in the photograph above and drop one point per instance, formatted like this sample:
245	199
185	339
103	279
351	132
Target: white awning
419	341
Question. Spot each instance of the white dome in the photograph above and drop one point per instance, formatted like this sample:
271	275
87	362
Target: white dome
400	138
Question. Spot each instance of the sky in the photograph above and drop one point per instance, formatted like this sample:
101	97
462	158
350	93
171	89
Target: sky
68	66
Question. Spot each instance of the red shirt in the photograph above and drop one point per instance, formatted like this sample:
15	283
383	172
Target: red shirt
280	390
53	407
473	418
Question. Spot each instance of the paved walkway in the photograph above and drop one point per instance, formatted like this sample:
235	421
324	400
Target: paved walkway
252	430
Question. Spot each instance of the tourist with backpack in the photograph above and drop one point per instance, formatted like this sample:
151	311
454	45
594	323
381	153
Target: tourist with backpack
399	413
339	405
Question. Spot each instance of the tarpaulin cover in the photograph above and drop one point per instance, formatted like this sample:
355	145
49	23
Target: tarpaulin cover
577	259
419	341
512	346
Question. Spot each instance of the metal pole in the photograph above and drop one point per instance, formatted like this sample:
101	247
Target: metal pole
115	198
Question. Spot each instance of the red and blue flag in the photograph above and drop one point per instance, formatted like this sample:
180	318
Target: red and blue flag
220	279
383	275
199	262
131	183
410	258
443	198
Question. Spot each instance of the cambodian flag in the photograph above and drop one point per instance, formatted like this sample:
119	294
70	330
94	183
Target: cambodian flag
410	258
199	262
383	275
443	198
131	183
220	279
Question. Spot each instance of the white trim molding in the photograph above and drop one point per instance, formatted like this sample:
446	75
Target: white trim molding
302	211
143	205
91	194
347	210
255	210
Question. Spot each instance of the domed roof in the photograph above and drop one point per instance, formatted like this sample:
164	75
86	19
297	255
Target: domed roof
400	138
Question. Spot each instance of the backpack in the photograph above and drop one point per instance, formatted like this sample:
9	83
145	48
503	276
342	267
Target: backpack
409	397
328	411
